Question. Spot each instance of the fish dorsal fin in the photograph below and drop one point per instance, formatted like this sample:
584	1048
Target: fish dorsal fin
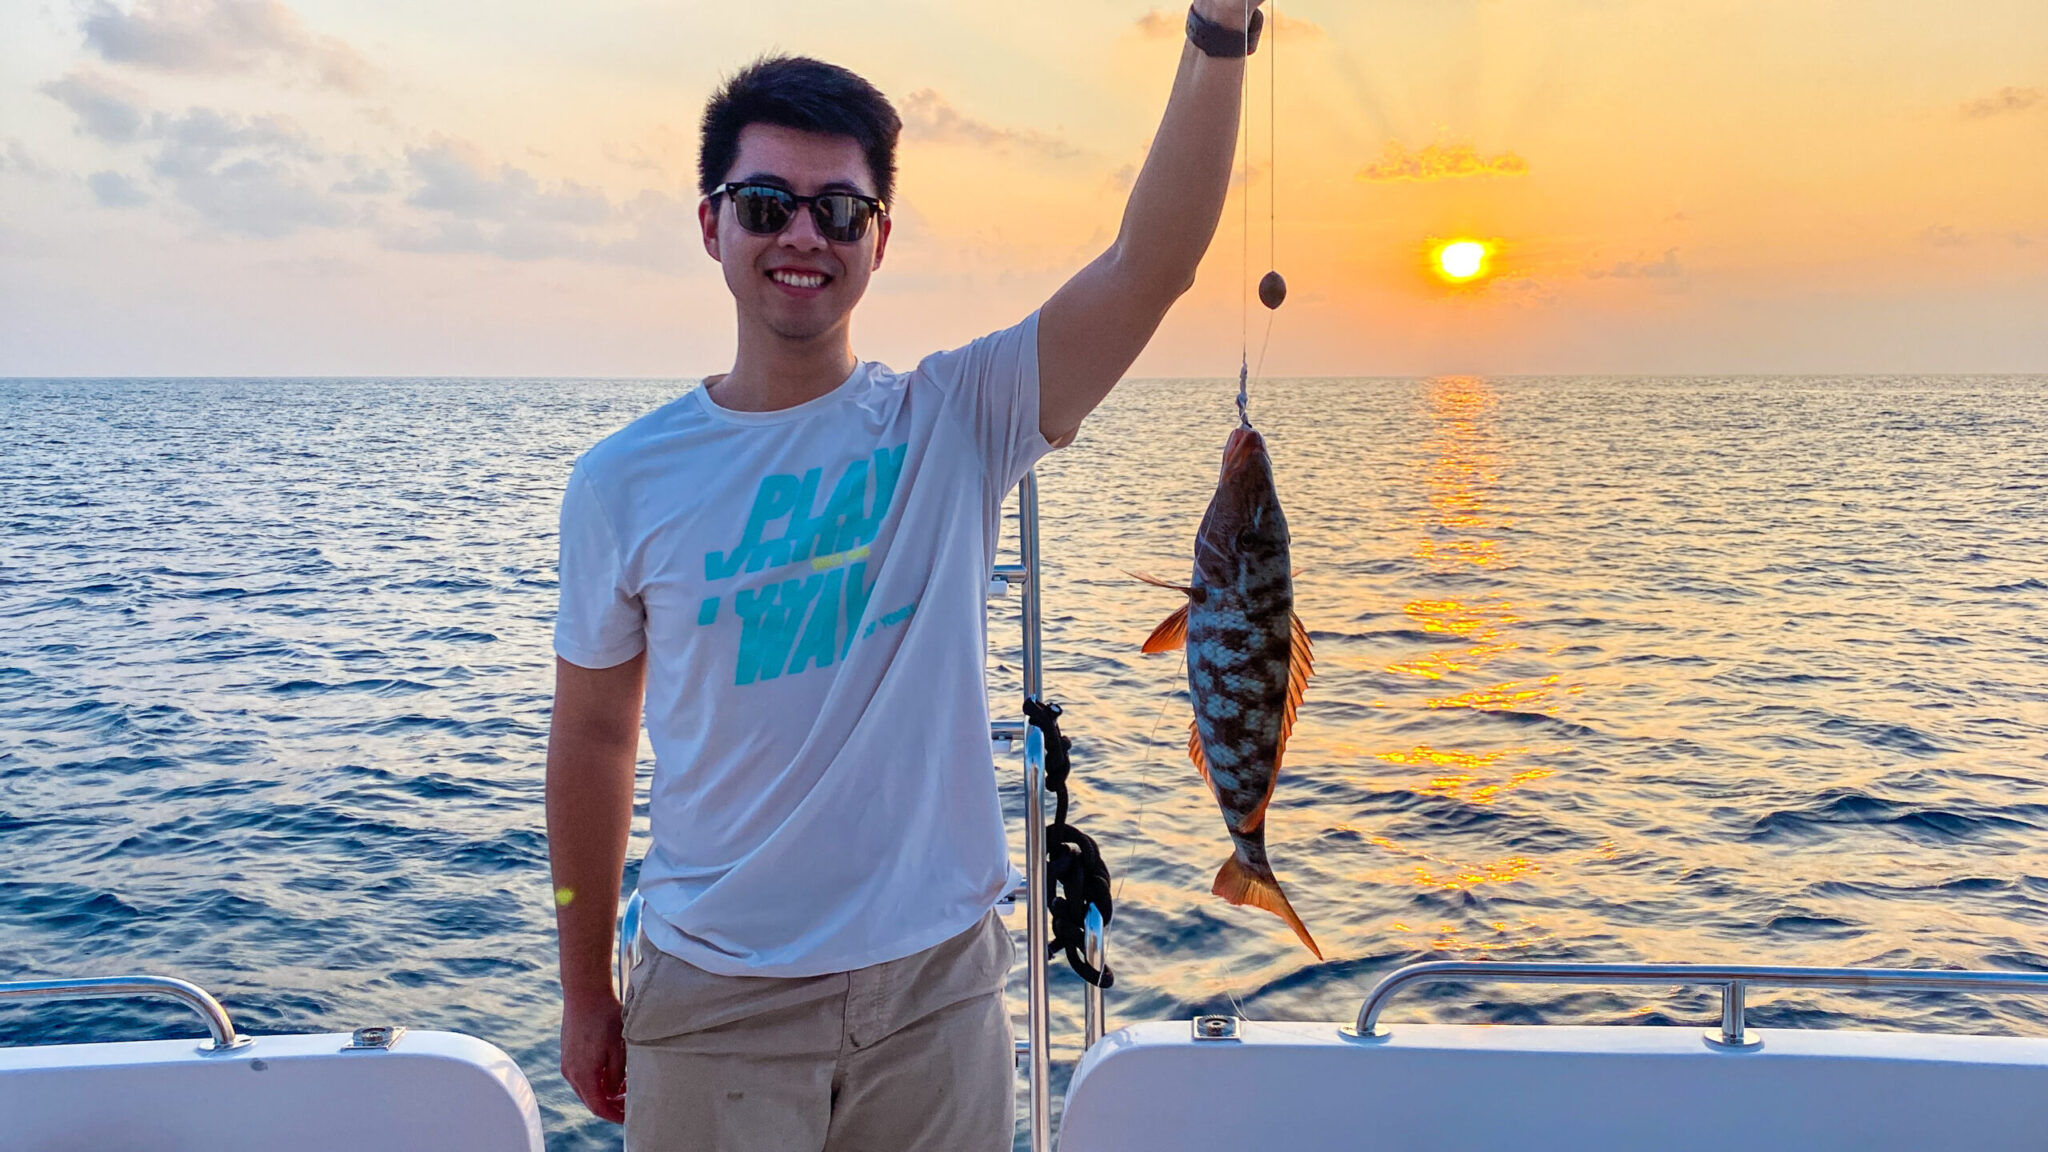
1171	635
1301	664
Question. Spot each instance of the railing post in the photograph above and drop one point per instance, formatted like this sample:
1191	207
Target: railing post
1034	823
1734	1027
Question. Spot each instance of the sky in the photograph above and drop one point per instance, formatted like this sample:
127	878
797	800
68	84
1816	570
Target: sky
456	187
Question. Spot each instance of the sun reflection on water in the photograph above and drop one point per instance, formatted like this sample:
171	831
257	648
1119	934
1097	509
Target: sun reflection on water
1459	531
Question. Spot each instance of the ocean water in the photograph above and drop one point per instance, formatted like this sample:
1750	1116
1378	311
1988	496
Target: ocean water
1606	669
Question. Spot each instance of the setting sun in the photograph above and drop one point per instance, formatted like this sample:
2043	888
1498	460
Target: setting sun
1462	260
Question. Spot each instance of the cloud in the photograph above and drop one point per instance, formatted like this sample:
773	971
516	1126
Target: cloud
457	179
1161	23
114	190
2003	102
246	175
259	198
1439	162
928	116
1943	236
219	36
1666	269
376	182
16	159
196	141
105	108
495	208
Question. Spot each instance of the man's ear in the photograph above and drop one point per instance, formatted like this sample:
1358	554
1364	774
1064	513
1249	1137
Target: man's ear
881	242
707	221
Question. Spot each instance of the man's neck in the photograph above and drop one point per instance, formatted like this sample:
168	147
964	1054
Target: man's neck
773	372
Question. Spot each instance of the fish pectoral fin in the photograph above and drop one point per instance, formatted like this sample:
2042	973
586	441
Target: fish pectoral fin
1195	754
1171	635
1240	884
1156	582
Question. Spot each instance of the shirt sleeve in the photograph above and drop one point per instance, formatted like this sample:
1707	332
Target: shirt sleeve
992	384
599	622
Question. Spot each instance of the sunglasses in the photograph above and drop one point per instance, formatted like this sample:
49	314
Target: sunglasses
765	210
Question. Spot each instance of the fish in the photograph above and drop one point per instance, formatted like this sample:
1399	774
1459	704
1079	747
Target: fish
1249	660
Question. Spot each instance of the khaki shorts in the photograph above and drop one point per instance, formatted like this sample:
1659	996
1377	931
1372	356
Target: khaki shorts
914	1055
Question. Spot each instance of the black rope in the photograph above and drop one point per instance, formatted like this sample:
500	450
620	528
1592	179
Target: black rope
1076	874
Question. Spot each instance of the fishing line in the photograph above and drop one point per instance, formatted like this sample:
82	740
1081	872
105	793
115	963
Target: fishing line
1272	287
1272	177
1244	257
1145	783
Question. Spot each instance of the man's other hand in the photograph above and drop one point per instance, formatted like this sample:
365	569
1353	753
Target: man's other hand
594	1057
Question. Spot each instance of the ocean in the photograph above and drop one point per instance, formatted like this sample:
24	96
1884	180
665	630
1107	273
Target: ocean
1707	669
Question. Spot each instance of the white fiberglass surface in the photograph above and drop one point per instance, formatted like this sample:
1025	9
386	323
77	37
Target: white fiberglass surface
1442	1088
437	1091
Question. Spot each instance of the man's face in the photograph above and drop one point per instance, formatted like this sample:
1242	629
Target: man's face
773	278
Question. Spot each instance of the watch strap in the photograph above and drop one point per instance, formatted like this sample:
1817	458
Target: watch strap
1224	43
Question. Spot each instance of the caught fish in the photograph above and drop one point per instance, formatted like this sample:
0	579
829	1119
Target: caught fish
1248	663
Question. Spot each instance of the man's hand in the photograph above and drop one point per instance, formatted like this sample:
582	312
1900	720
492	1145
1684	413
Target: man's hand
594	1057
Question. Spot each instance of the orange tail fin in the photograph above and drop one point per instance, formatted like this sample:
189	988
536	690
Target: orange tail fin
1240	885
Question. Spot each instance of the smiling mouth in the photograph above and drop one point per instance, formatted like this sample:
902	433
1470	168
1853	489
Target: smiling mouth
791	278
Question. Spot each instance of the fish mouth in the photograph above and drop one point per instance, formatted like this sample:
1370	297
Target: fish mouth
1244	447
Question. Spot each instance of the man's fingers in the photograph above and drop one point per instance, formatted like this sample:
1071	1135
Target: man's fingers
603	1104
612	1078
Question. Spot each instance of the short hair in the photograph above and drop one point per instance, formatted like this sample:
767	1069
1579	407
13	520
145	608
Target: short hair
809	96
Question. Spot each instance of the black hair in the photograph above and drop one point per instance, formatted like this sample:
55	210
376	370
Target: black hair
809	96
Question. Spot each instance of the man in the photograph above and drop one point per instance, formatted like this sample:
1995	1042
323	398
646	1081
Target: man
788	566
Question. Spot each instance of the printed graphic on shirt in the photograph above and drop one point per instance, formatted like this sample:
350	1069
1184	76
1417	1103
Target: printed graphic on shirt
792	623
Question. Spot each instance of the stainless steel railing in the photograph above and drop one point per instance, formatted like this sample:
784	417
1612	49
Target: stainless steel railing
222	1029
628	953
1037	1048
1040	1022
1734	980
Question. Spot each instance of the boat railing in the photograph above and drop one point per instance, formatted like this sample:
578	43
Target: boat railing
222	1029
1734	981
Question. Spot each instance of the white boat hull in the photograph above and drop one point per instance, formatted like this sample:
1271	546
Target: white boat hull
438	1091
1445	1088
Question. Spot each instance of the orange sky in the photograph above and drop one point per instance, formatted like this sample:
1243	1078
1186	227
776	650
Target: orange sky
250	187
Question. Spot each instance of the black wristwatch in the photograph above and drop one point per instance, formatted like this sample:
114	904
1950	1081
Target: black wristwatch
1227	43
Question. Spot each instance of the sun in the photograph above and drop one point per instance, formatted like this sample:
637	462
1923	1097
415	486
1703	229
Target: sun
1460	261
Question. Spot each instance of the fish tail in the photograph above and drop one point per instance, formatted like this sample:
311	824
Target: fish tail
1241	884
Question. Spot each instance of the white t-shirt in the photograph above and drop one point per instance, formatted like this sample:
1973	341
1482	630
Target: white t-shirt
810	588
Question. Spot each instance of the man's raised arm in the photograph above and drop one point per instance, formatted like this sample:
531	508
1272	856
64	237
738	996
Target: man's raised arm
1095	326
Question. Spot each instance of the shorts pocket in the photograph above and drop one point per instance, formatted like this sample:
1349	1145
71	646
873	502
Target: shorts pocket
639	975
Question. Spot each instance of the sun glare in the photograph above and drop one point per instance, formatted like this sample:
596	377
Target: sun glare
1462	260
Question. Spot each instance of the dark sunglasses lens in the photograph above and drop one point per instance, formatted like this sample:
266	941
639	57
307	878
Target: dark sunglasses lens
763	210
841	217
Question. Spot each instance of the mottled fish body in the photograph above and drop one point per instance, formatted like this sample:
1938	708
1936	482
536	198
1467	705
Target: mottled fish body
1248	662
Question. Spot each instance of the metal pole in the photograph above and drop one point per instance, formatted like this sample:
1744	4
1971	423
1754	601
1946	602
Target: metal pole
1733	1010
1091	995
1034	825
1027	544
